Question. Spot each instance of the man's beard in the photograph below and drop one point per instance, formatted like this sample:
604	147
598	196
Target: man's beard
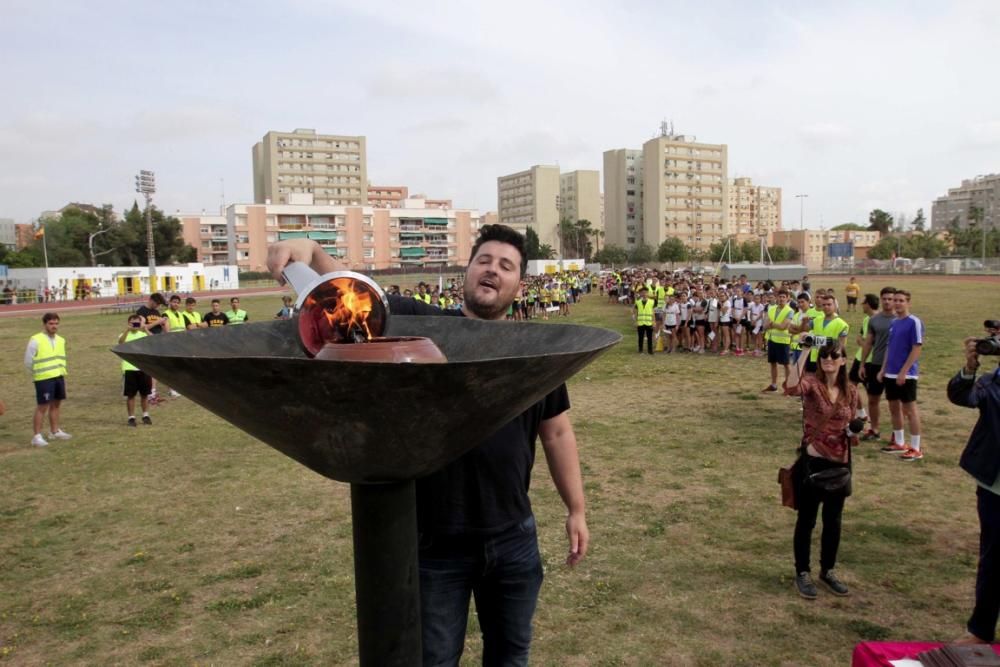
484	311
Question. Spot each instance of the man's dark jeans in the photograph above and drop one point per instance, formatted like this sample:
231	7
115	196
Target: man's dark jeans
503	572
983	622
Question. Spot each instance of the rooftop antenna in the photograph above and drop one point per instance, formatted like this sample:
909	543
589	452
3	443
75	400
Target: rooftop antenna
222	186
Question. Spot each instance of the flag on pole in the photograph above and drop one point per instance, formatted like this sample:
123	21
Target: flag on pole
40	233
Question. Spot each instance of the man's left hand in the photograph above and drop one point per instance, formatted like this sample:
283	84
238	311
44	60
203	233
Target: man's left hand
579	538
900	380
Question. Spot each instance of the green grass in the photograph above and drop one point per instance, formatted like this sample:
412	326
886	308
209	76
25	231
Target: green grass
191	543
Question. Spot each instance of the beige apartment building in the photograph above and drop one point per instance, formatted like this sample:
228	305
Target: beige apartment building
332	168
531	198
754	210
982	192
812	245
393	196
580	196
364	238
685	191
623	197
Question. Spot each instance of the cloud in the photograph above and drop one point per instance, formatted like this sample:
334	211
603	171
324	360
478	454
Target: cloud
393	82
186	123
822	135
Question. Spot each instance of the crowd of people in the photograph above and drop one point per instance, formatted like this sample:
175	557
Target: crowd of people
798	329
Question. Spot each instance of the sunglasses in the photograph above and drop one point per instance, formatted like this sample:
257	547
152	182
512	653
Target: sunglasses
829	355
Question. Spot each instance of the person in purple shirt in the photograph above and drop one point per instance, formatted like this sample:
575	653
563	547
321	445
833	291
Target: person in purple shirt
900	371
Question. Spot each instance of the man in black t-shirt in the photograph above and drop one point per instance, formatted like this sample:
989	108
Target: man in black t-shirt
152	320
215	318
477	530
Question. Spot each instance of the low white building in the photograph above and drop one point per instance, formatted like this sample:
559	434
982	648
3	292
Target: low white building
537	267
68	282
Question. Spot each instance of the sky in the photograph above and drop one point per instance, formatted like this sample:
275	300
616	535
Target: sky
856	104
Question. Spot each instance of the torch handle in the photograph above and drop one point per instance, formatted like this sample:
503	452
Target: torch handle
300	276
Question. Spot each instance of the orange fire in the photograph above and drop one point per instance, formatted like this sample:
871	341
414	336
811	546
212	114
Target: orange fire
348	314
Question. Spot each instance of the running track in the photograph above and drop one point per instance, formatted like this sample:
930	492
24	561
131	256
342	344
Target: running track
92	305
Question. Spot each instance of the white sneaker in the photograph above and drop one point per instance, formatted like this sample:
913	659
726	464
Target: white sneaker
174	394
39	441
60	435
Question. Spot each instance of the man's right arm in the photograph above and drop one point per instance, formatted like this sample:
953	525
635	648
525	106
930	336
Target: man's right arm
29	354
282	253
963	389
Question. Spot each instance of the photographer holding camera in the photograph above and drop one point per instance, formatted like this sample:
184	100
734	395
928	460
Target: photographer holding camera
823	471
134	381
981	459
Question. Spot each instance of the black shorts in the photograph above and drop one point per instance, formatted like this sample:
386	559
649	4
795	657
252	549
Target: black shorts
905	394
745	323
669	328
136	382
852	301
701	324
852	375
872	384
53	389
777	353
725	324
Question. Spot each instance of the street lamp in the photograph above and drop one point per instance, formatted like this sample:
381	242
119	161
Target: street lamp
802	200
145	184
90	244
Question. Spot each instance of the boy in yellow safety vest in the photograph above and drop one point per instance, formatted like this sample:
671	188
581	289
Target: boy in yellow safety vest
643	317
45	357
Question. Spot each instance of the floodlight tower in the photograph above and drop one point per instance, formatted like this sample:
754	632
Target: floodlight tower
145	184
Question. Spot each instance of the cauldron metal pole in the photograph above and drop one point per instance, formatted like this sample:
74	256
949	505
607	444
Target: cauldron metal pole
253	377
386	573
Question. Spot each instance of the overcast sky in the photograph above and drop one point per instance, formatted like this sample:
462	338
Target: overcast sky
859	105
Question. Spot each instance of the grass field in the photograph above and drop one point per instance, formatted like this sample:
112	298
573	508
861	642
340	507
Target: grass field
189	543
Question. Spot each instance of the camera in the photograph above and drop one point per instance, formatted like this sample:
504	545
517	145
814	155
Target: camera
812	340
990	346
136	324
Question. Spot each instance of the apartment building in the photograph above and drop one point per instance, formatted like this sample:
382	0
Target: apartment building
982	192
580	196
330	167
531	198
8	233
364	238
623	197
393	196
813	245
685	191
754	210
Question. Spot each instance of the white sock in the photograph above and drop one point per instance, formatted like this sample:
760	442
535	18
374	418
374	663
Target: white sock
915	441
898	437
131	417
145	414
862	414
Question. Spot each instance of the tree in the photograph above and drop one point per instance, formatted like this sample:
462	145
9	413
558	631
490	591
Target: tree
879	221
642	254
611	255
671	250
783	253
574	238
919	222
532	244
168	239
849	227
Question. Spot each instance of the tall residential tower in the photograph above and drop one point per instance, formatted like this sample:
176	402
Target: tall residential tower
330	167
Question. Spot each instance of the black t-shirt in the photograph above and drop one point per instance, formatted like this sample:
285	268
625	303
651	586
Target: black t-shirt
485	491
152	316
215	320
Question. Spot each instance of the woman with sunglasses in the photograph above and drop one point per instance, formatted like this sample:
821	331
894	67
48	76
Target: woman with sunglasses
828	402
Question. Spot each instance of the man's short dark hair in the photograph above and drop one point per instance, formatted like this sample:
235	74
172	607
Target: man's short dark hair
235	298
887	290
48	317
905	293
502	234
190	300
158	299
175	297
872	301
216	301
804	295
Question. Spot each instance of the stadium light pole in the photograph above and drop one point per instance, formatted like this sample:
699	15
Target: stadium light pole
802	200
145	184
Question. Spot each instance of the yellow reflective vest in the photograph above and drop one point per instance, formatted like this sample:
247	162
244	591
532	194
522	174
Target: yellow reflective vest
779	335
130	336
177	321
644	312
864	333
832	330
50	357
